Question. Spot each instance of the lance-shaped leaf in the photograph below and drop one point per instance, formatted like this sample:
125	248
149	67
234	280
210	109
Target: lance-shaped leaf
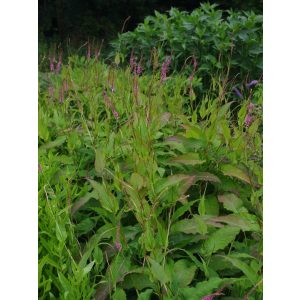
188	159
244	221
233	171
106	198
231	202
219	239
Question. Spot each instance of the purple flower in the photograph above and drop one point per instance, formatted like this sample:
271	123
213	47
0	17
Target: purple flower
116	115
248	120
52	64
164	68
58	66
139	70
252	83
118	246
237	92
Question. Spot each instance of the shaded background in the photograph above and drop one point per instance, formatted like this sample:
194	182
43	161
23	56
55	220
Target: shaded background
80	20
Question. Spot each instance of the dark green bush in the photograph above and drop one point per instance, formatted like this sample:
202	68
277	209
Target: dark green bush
216	38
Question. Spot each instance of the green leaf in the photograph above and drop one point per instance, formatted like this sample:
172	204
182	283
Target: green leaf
53	144
233	171
231	202
203	288
190	226
99	162
244	221
205	176
188	159
106	198
119	294
158	271
219	240
82	201
245	268
137	281
183	272
137	181
88	268
146	295
61	232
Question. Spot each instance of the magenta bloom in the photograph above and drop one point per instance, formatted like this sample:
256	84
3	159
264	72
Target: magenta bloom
248	120
118	246
252	83
52	64
58	66
164	68
116	115
139	70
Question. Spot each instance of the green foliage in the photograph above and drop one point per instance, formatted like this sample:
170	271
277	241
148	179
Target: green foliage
143	193
219	40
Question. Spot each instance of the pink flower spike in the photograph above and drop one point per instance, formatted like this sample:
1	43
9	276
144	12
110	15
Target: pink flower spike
118	246
248	120
116	115
139	70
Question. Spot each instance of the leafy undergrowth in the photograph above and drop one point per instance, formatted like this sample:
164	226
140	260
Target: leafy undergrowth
145	191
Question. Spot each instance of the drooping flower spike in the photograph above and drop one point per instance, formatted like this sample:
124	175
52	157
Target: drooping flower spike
237	92
252	83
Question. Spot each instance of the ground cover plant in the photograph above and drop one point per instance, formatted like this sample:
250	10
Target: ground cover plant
146	191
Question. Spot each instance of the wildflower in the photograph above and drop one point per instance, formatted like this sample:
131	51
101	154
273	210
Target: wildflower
248	120
118	246
58	66
116	115
250	107
164	68
139	70
52	64
110	105
61	95
237	92
252	83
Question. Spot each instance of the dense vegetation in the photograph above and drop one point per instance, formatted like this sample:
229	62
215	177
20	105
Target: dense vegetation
216	41
147	188
102	19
